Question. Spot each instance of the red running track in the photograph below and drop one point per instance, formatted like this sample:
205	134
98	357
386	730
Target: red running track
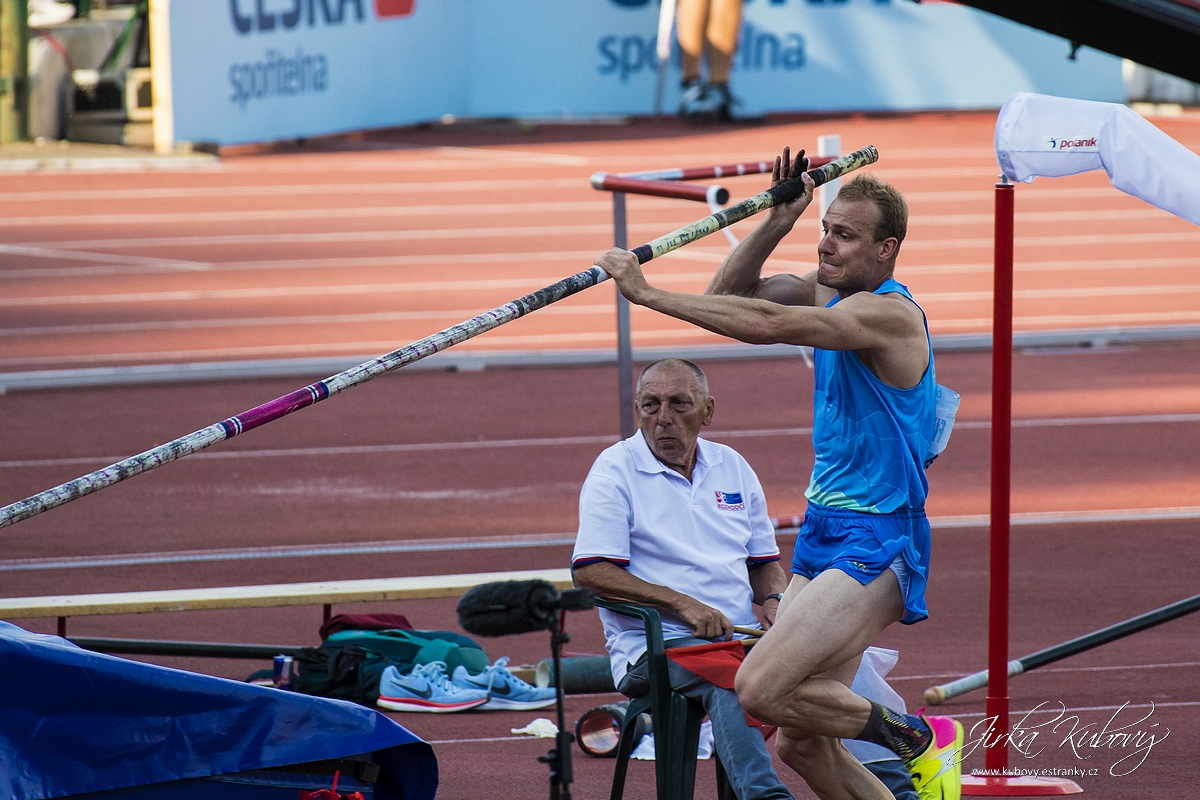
368	243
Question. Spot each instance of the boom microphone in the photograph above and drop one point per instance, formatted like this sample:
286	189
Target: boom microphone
504	607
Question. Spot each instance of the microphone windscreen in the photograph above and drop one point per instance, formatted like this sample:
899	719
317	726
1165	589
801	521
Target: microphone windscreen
504	607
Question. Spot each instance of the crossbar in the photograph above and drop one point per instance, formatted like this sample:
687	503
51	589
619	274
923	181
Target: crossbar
723	171
680	191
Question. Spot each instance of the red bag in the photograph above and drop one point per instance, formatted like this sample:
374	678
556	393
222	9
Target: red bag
364	622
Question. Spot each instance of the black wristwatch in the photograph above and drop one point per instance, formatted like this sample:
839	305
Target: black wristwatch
778	596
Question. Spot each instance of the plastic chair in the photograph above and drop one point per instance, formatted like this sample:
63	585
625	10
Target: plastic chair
675	719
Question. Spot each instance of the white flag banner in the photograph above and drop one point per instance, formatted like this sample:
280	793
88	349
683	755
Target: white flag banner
1055	136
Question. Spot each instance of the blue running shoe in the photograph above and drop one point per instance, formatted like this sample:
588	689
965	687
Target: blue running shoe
426	688
506	690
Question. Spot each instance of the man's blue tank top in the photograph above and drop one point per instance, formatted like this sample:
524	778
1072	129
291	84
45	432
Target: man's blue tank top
870	438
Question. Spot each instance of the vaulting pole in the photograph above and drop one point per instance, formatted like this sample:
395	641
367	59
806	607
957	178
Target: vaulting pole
314	393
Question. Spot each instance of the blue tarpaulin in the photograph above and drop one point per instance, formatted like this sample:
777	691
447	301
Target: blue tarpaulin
76	722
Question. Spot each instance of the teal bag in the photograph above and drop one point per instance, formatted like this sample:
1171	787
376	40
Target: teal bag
349	663
406	649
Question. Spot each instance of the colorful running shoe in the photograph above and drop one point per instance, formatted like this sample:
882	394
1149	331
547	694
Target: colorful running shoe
506	690
937	771
426	688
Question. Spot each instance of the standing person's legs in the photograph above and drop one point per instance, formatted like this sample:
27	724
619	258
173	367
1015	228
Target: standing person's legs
691	18
724	27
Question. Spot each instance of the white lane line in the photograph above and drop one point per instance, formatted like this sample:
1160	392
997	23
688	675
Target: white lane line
496	186
920	173
380	288
312	319
937	676
37	251
345	162
644	336
1120	668
424	210
134	265
283	215
1140	290
337	237
1028	195
1011	714
1030	323
1072	240
1062	517
1041	267
573	441
1072	709
1029	217
1112	419
344	450
293	190
412	159
334	237
458	544
203	295
290	551
527	284
491	154
364	350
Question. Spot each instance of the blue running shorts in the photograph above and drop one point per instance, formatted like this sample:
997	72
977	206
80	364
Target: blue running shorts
864	545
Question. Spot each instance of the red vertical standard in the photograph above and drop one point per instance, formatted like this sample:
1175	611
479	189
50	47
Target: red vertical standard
1002	299
997	781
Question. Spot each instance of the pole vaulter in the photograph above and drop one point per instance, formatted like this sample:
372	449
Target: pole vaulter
314	393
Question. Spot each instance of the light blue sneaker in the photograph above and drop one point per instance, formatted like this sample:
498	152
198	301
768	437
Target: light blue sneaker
506	690
426	688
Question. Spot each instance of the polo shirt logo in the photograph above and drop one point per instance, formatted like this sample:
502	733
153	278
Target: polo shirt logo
730	501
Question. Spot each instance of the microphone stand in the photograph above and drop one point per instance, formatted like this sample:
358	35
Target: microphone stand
559	758
496	609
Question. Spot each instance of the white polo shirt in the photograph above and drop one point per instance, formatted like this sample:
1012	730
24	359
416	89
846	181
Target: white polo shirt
696	538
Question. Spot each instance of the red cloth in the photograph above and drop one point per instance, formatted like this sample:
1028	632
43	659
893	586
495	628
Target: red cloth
718	664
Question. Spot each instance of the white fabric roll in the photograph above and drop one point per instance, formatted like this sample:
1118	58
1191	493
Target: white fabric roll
869	682
1038	135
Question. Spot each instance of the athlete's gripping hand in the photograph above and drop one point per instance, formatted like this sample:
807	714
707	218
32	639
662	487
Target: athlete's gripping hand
706	621
787	168
624	268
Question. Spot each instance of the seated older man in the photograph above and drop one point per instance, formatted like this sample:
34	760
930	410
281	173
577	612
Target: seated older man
673	521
